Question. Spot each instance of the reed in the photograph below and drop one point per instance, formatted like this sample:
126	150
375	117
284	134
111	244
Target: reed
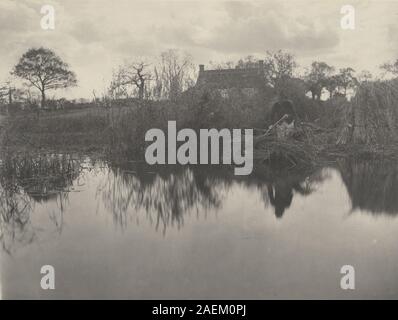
372	116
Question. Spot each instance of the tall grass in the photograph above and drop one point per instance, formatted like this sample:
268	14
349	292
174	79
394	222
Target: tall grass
119	131
374	113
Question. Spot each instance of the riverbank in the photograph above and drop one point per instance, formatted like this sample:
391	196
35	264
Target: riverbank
102	133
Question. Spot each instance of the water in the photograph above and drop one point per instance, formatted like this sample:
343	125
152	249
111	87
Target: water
131	231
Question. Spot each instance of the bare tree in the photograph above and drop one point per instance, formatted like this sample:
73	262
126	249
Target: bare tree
176	70
117	88
157	87
43	69
134	75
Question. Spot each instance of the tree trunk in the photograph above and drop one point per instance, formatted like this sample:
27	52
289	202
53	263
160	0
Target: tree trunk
10	97
141	91
43	99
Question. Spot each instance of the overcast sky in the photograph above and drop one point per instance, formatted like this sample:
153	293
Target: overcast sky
95	36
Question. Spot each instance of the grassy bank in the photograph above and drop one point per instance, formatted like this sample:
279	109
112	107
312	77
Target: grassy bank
69	132
118	132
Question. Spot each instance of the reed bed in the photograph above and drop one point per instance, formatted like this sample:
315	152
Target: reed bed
373	115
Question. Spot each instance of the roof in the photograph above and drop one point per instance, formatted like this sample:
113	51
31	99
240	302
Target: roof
231	78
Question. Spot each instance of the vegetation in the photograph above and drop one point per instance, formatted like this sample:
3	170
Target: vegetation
44	70
357	115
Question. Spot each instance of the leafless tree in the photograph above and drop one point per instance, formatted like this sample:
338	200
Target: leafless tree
176	72
157	84
136	75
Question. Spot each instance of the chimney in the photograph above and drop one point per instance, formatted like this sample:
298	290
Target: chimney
201	67
261	64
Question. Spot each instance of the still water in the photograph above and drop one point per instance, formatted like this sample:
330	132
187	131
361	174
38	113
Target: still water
132	231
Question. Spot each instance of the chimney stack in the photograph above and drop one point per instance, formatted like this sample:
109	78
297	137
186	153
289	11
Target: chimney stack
201	67
261	64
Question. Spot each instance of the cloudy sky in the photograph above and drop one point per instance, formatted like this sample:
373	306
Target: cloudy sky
95	36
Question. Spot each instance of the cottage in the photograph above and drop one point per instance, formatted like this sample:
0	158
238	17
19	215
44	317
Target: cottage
247	81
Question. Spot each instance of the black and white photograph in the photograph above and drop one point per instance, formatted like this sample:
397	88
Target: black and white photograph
198	150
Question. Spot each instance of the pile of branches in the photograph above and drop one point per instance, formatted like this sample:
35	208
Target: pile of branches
303	148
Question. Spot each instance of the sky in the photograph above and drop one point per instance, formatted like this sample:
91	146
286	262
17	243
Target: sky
95	36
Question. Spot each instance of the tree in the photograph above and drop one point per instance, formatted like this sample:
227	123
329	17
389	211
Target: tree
5	94
176	70
222	65
331	84
157	87
390	67
279	67
134	74
318	78
346	79
44	70
364	76
247	63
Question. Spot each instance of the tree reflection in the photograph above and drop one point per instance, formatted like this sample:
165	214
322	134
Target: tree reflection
26	180
371	185
165	195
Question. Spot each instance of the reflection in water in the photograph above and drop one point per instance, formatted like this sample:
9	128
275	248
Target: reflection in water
26	180
164	195
372	186
227	236
282	188
169	194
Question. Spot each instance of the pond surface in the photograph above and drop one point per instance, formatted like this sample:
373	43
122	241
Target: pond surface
131	231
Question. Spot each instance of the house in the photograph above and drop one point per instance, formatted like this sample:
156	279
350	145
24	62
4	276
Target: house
247	81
